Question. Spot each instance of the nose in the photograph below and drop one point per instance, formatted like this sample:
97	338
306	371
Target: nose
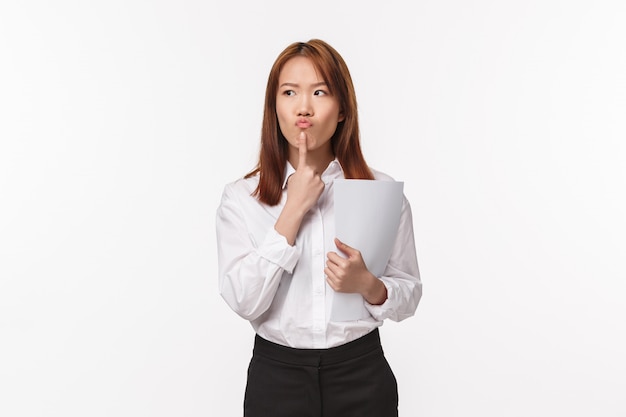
304	106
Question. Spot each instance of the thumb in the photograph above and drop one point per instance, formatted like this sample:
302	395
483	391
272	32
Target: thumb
348	250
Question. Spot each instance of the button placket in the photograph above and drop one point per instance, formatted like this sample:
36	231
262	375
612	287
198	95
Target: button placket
317	277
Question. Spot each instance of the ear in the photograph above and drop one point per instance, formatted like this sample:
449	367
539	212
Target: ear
342	116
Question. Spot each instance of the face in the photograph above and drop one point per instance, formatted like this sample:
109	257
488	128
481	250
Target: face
304	103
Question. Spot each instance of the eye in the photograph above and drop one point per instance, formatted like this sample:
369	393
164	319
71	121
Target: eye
289	93
320	93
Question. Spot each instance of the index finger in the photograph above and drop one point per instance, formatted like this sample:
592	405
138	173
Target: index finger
302	144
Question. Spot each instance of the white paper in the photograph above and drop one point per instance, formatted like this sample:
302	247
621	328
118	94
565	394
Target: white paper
367	216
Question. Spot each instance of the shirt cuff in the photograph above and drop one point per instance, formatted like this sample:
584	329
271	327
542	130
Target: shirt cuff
384	310
277	250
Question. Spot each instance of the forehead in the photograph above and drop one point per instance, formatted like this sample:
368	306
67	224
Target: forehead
299	69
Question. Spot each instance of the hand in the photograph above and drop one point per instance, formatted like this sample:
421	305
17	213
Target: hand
305	186
351	275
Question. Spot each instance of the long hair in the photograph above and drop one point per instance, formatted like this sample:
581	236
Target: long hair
346	140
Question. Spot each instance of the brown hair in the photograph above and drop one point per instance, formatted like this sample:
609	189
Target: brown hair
346	139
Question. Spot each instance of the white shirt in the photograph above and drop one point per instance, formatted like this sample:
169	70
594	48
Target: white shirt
281	289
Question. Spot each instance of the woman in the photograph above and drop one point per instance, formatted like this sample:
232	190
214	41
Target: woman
280	264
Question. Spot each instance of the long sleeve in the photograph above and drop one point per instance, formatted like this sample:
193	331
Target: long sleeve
249	271
281	289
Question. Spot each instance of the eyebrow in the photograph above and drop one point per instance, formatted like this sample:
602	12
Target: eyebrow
298	85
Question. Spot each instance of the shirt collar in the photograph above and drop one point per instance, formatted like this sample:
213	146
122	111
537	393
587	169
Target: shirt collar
332	172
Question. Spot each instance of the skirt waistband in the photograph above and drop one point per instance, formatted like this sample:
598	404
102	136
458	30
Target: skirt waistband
317	357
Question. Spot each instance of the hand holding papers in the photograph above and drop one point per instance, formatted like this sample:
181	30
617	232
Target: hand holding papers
367	216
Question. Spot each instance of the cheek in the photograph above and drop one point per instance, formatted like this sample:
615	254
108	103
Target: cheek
332	120
333	114
283	113
284	129
281	121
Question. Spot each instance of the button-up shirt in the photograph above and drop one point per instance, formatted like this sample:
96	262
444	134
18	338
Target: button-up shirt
281	289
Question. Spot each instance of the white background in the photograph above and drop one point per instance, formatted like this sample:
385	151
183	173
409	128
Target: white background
121	121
